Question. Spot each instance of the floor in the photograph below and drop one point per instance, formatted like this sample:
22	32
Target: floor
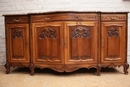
20	77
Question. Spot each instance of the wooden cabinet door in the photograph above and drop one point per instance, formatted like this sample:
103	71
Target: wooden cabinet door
18	42
47	40
113	39
80	42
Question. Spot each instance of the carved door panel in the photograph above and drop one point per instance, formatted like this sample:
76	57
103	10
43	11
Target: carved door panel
18	42
80	42
113	42
47	39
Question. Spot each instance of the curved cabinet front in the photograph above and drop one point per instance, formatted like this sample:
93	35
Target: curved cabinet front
67	41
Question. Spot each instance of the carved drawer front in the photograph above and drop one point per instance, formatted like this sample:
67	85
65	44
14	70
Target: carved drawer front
64	17
113	17
17	19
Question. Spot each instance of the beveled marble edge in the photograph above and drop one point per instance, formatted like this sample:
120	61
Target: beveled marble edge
15	14
115	12
48	12
65	12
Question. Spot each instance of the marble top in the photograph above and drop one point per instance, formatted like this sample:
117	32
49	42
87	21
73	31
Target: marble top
48	12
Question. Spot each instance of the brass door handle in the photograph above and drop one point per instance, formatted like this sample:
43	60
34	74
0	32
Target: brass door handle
63	43
102	42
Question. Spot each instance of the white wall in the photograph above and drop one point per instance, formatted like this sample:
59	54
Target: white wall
26	6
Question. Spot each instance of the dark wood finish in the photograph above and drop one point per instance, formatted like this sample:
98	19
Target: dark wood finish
67	41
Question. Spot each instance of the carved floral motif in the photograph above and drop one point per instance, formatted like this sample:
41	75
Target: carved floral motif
81	32
47	33
113	32
17	34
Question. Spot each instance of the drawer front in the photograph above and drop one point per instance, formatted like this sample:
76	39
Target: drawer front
113	17
64	17
17	19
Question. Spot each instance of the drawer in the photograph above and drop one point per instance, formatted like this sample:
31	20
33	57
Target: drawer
64	17
113	17
16	19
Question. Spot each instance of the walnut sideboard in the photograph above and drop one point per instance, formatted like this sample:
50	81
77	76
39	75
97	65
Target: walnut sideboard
66	41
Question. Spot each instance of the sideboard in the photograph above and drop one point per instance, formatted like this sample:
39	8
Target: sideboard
66	41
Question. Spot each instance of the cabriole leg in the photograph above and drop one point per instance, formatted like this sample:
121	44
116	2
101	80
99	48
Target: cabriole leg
98	69
32	69
126	66
7	66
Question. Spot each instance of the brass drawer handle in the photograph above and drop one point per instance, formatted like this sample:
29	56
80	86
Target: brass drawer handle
47	18
113	18
17	20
